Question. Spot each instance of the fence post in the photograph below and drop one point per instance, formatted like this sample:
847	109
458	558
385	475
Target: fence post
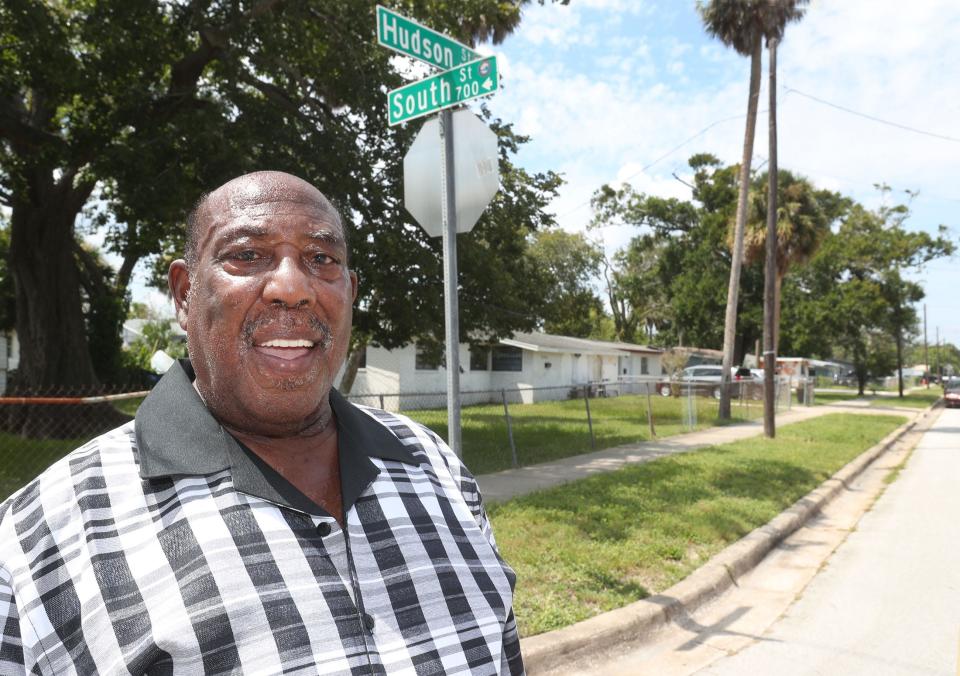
506	414
586	400
691	417
382	407
653	432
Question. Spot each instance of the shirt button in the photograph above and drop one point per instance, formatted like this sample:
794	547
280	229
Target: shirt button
368	621
323	530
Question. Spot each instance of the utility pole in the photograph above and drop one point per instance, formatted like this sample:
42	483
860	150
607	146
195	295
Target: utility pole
926	360
937	345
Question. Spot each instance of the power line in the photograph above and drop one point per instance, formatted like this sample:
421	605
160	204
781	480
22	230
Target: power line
665	155
787	90
943	137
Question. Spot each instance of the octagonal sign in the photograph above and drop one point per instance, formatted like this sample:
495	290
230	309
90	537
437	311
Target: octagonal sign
476	171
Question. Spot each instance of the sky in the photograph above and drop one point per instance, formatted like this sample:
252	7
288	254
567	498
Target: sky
615	91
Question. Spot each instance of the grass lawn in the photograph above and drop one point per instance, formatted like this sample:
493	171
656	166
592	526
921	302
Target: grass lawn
603	542
23	459
129	406
558	429
826	398
915	399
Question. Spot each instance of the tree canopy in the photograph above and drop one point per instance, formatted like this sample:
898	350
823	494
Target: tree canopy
119	114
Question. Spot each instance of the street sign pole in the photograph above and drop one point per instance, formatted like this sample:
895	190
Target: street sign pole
452	316
466	76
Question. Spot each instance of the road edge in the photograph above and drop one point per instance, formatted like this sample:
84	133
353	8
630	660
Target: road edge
633	622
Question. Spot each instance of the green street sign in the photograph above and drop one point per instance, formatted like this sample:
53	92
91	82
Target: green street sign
443	90
397	32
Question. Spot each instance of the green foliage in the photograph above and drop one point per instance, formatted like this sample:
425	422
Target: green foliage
672	280
146	105
742	24
157	335
852	300
568	263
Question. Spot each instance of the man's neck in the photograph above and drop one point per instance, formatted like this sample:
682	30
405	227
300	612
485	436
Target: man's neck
310	463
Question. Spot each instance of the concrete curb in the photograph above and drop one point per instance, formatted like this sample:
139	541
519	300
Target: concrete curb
634	622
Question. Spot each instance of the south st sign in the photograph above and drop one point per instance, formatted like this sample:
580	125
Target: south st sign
443	90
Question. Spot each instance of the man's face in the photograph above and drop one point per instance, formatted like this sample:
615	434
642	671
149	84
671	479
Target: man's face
267	308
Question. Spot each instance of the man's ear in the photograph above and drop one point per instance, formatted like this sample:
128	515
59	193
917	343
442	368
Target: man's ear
178	278
353	283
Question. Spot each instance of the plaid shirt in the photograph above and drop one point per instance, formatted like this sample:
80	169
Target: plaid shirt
165	547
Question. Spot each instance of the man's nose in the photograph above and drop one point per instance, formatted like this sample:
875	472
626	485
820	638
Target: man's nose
288	283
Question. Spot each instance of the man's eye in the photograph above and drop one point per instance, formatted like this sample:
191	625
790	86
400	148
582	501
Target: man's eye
324	259
246	255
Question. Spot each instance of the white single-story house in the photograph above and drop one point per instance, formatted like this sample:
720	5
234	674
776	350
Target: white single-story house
541	366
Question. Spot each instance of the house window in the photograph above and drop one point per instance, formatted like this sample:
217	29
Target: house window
479	358
507	358
427	360
643	366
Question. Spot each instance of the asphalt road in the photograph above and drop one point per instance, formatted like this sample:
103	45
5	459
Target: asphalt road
888	601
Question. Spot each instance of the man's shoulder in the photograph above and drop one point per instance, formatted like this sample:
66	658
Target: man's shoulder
80	469
430	451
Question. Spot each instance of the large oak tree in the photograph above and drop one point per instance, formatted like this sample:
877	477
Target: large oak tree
119	113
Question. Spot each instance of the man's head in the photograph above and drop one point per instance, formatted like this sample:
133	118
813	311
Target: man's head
265	296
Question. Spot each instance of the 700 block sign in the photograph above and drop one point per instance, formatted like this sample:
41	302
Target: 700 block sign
446	89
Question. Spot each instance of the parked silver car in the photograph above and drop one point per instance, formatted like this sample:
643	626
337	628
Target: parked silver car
704	379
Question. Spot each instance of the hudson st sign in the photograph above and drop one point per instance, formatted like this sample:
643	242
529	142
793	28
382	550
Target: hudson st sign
404	35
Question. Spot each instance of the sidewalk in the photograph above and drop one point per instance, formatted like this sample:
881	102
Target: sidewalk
510	483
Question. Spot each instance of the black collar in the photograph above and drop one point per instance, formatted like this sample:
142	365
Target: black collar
177	435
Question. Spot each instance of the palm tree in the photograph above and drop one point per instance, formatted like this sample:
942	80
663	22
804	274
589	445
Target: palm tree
801	224
780	12
742	25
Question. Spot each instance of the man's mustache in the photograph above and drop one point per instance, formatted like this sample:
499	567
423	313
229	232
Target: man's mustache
289	320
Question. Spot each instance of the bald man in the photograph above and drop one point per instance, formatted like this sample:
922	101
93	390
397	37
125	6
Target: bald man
250	519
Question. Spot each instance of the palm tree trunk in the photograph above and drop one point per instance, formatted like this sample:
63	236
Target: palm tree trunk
771	281
736	262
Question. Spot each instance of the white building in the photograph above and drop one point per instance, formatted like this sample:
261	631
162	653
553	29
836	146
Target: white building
9	356
539	365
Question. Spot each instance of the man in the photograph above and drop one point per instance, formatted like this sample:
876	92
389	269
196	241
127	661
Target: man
250	520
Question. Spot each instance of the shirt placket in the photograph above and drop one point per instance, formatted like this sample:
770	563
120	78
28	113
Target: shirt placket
341	556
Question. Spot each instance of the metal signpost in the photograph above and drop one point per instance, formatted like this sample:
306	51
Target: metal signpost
468	168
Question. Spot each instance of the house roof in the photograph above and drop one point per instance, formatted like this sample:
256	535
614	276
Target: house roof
545	342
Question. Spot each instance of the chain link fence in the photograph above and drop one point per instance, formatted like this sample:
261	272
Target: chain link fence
518	426
38	427
501	428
